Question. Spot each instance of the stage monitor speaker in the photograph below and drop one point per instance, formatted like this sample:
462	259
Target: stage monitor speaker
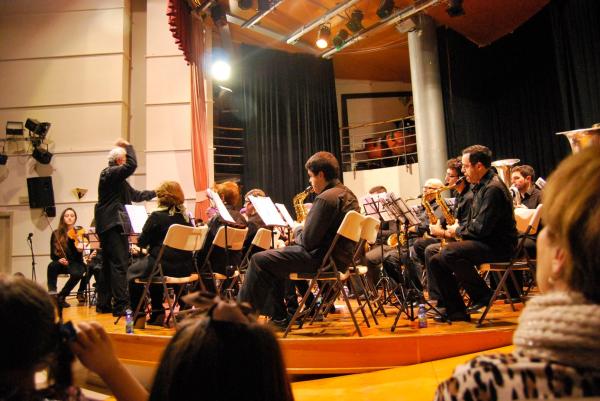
41	194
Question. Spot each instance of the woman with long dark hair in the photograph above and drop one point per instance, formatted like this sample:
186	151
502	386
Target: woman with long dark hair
67	258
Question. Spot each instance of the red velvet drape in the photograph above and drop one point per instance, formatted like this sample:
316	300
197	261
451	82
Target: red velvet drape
189	35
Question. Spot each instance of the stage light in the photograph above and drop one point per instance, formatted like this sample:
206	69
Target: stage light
355	23
245	4
42	155
14	128
455	8
218	15
340	38
37	128
385	8
220	70
323	37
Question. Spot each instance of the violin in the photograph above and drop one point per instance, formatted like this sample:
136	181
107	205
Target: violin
78	235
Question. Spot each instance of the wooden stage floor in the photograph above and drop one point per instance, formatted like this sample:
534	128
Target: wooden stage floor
333	347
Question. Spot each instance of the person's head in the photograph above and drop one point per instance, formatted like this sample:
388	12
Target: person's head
31	340
170	194
476	161
117	156
568	247
235	359
68	218
431	185
453	171
522	177
229	191
379	189
250	211
322	168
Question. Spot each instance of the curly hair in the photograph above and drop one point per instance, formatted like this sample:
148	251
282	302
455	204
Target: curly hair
170	194
229	191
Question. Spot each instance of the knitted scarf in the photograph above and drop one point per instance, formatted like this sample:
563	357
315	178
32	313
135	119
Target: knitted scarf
560	327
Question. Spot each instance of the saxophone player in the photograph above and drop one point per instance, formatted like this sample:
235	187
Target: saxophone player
268	271
489	235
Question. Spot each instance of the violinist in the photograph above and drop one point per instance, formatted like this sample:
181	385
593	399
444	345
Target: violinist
66	252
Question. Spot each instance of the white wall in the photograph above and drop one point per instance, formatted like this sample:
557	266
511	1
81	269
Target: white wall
66	62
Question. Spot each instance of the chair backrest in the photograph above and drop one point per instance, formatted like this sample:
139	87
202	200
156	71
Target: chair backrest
370	229
185	238
351	226
262	238
235	238
528	219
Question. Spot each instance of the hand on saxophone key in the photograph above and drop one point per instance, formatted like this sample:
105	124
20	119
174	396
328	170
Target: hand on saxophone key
436	230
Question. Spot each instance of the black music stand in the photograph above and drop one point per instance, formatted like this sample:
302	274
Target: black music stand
405	218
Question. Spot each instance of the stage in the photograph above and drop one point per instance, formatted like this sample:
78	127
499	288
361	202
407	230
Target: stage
333	347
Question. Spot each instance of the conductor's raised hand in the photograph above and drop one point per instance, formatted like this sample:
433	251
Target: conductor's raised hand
121	142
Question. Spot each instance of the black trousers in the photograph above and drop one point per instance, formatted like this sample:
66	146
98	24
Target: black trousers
115	252
432	285
75	271
392	264
373	258
267	278
456	264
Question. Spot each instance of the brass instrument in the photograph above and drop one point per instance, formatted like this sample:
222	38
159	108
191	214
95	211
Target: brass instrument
427	206
298	202
504	168
450	219
582	138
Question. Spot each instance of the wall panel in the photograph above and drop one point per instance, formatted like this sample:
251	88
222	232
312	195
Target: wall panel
168	127
160	41
15	7
168	80
170	165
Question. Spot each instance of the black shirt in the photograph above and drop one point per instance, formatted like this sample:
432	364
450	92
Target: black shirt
323	220
70	251
532	198
114	192
491	219
462	205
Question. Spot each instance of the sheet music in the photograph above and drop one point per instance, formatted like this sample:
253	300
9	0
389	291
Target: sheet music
373	204
267	211
218	203
286	215
137	217
398	208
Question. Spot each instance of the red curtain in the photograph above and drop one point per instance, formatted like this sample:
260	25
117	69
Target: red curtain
189	36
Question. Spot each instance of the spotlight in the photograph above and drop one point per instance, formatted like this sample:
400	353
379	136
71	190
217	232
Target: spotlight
264	5
42	155
323	37
385	8
245	4
340	38
355	23
14	128
37	128
455	8
218	15
220	70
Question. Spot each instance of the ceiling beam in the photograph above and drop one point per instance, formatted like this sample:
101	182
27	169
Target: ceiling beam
395	18
294	37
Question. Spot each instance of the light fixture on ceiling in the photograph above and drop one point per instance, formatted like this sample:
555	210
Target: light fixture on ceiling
340	38
455	8
323	37
355	23
245	4
218	15
385	9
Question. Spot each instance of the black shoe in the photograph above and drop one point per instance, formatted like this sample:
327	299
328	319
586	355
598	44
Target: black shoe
279	324
103	309
62	303
515	300
119	312
476	306
453	317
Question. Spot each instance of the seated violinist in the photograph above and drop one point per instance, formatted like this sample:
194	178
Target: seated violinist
175	263
219	260
67	258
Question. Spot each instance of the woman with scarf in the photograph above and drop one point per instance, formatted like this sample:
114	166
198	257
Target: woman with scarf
557	348
175	263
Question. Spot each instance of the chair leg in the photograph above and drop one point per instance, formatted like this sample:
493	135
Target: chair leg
300	307
345	296
493	299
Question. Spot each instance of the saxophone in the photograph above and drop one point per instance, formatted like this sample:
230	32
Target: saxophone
450	219
298	202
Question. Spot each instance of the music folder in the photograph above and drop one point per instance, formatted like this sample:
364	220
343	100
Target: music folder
218	203
137	217
267	211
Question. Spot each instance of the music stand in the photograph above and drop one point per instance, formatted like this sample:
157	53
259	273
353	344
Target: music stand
269	214
228	221
288	219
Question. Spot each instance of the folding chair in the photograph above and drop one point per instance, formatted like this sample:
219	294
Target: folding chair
350	228
184	238
263	240
519	261
235	243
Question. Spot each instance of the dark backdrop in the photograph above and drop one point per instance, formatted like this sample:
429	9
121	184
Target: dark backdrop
514	95
290	112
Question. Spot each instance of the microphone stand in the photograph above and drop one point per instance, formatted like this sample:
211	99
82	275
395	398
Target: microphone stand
30	242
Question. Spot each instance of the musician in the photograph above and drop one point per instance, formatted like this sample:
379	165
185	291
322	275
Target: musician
253	219
229	192
269	270
490	235
393	260
523	178
114	192
460	210
373	258
175	263
67	258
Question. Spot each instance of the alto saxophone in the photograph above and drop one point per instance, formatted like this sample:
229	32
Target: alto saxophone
450	219
298	202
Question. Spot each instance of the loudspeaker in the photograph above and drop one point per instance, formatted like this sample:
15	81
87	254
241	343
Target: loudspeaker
41	194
